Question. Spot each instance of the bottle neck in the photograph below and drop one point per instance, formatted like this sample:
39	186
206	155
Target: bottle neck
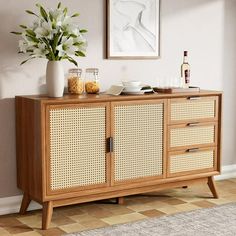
185	59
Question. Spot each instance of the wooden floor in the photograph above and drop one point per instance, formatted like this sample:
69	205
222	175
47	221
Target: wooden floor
101	214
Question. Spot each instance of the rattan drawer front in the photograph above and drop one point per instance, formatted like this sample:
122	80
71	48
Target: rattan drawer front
138	141
181	163
187	109
190	136
77	147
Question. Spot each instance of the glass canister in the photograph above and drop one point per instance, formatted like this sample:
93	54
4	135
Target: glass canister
75	82
92	84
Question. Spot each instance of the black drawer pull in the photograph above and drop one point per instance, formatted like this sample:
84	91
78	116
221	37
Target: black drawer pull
193	124
194	98
193	150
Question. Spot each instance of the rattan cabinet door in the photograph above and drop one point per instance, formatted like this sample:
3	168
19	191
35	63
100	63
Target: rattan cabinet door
138	131
76	154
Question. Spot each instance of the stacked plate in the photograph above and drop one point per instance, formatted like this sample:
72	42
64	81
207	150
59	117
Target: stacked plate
133	87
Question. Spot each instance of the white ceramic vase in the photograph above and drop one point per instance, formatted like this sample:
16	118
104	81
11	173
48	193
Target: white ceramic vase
55	79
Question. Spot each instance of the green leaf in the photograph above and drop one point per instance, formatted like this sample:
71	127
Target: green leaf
50	16
75	15
78	44
30	32
43	13
79	54
31	13
59	5
55	42
70	59
65	11
65	33
72	35
83	31
34	39
23	26
23	62
17	33
51	54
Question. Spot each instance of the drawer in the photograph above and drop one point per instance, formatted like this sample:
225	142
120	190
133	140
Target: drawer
192	135
189	109
191	161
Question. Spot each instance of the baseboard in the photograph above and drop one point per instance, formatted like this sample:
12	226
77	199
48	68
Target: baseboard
10	205
227	172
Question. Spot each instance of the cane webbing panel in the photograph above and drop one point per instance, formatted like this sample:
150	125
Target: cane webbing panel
192	109
77	147
192	135
138	141
191	161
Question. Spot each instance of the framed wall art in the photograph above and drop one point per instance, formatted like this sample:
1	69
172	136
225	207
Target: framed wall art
133	29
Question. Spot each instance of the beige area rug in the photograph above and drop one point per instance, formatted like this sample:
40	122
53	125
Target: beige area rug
217	221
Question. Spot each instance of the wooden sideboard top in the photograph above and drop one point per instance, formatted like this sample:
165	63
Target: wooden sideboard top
102	97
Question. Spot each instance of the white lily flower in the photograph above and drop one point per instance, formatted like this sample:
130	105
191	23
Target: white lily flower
26	43
66	47
40	51
37	23
70	28
44	30
23	45
57	14
83	43
66	20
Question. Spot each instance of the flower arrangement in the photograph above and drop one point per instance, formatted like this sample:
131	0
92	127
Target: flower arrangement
52	35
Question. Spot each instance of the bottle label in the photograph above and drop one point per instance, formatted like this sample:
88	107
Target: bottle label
187	76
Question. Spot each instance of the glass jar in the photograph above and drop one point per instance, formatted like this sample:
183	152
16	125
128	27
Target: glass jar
92	84
75	82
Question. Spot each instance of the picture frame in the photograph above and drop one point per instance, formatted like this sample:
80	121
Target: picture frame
133	29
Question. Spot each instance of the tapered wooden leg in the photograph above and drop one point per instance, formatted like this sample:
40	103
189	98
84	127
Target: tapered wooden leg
121	200
47	214
211	184
25	203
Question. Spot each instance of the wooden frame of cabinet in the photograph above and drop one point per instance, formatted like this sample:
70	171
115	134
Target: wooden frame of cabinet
32	142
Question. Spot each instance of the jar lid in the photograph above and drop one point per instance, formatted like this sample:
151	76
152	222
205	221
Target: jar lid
75	70
92	70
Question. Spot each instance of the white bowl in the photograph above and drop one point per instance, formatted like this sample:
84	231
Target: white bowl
131	83
132	89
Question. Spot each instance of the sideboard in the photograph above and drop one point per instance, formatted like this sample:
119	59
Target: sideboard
84	148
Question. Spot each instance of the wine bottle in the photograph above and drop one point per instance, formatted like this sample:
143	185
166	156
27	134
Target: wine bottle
185	70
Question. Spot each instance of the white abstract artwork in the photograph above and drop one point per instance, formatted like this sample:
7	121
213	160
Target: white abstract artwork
133	28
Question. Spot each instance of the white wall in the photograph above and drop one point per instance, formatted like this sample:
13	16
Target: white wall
206	28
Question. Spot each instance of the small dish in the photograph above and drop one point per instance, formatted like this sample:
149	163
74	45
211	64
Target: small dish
131	83
132	89
133	93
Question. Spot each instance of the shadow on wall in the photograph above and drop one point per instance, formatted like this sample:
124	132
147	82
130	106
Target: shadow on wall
7	146
8	73
14	80
170	7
